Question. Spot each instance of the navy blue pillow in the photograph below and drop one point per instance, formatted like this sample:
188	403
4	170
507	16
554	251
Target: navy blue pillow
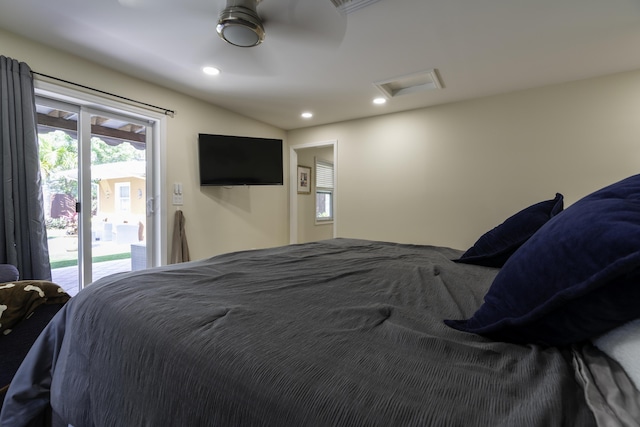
495	247
577	277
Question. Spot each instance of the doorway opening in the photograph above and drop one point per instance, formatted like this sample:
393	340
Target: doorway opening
303	208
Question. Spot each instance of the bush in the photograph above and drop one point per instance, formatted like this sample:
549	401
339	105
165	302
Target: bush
56	223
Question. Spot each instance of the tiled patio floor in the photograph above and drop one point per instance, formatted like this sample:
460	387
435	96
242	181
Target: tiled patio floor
67	277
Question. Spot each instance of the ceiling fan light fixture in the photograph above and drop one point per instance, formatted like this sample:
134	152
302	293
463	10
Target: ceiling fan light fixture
240	26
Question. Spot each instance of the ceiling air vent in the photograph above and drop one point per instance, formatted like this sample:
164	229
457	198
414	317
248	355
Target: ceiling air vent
426	80
348	6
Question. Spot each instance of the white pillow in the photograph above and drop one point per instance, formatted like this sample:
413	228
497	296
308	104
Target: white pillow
622	344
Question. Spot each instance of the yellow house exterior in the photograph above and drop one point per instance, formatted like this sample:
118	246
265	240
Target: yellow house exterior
112	206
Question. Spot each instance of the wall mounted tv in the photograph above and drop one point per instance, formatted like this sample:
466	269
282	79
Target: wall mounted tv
239	160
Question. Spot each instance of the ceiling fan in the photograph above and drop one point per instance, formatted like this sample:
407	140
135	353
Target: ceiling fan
240	25
315	27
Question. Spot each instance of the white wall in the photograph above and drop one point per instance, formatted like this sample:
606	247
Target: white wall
445	175
217	219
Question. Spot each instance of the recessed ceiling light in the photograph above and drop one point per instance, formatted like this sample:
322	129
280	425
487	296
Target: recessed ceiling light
307	115
379	101
212	71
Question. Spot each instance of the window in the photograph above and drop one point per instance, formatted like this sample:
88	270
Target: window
123	197
324	190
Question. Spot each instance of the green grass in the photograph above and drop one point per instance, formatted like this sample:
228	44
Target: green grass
102	258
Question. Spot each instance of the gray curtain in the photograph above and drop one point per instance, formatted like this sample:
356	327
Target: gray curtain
23	236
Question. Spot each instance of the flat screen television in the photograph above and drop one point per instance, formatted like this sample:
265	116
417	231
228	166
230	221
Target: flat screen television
239	160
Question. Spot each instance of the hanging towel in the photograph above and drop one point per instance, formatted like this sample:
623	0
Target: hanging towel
179	246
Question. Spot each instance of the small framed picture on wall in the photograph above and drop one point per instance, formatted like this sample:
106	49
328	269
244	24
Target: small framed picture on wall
304	180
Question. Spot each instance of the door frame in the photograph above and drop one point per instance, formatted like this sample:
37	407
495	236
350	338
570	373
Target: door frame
293	189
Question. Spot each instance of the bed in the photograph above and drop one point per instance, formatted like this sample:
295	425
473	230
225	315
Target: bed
342	332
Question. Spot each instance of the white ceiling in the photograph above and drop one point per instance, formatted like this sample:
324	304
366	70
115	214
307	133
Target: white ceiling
315	59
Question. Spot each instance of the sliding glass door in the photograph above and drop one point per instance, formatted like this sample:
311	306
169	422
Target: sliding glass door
95	183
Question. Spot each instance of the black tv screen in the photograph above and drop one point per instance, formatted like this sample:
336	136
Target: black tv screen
239	160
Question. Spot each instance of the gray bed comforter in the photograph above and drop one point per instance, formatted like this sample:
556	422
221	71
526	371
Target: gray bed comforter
341	332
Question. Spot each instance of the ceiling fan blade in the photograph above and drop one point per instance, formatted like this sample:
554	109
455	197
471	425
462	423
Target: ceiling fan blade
316	23
235	61
208	7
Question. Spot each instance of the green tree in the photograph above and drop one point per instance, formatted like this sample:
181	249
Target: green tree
58	152
101	152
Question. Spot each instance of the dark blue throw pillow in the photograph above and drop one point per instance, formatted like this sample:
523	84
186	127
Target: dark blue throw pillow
576	278
495	247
